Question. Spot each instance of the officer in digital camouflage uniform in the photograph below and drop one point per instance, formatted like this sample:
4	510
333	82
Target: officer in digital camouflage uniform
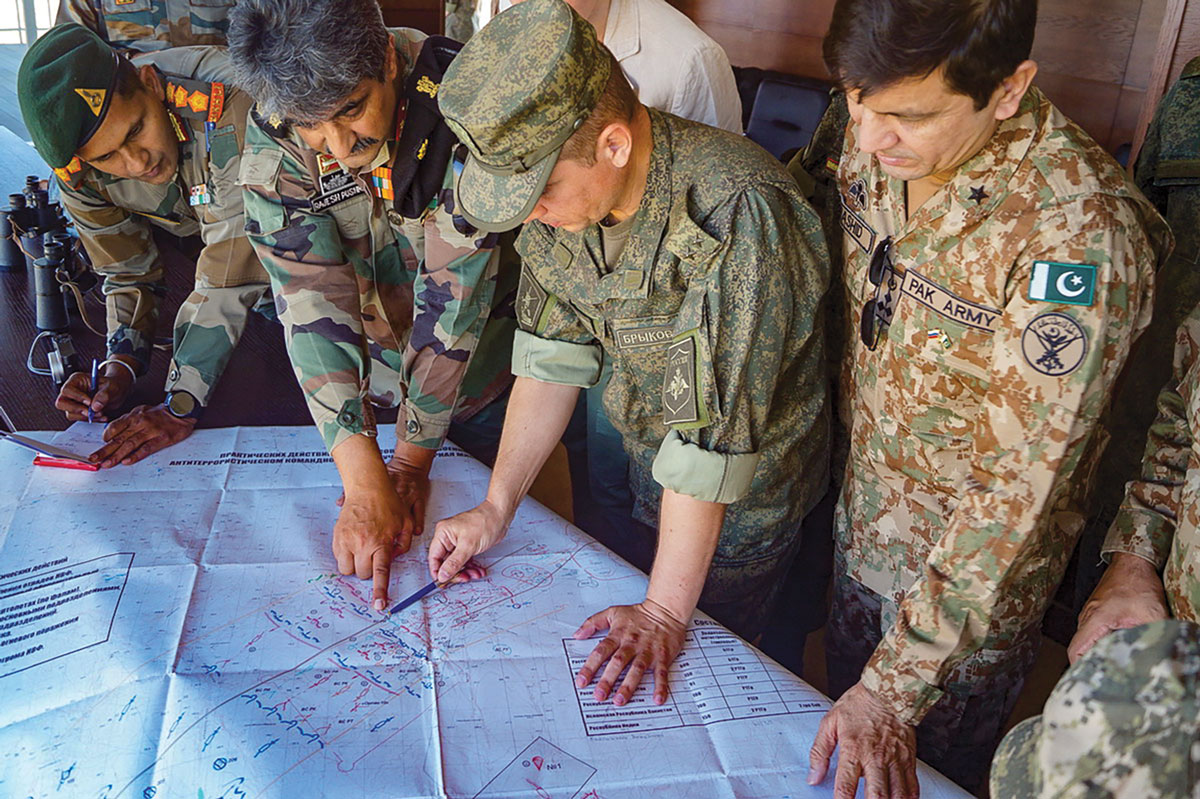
1122	723
998	266
153	143
1168	173
383	291
687	256
1153	546
147	25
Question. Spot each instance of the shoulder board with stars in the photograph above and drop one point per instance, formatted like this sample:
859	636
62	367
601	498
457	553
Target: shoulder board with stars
72	174
195	99
273	124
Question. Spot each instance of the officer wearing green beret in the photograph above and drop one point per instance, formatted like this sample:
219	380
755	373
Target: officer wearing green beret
688	257
153	142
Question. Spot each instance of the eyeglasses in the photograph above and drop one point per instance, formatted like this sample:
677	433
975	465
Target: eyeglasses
877	313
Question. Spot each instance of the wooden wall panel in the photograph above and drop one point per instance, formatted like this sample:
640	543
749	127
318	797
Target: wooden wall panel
1095	56
424	15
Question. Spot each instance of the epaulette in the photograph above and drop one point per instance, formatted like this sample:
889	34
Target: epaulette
195	99
1191	69
72	174
274	126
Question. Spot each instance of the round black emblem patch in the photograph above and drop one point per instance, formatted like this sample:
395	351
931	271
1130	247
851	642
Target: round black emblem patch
1054	344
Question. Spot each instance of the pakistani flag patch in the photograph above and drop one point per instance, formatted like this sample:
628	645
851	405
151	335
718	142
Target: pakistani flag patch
1074	284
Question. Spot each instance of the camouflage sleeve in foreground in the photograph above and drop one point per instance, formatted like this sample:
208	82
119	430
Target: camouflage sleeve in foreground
1035	422
149	25
761	297
230	281
452	296
123	252
1145	524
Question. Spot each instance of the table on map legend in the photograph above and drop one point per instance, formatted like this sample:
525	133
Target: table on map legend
716	677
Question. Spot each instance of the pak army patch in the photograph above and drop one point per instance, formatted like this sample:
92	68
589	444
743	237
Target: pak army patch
1054	344
1074	284
681	393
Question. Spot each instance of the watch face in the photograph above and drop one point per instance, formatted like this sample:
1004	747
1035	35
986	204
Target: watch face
181	403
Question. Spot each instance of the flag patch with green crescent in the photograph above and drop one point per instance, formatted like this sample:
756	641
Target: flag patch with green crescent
1074	284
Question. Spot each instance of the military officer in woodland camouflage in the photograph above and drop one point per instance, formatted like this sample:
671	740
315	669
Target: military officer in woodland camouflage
383	291
152	143
998	265
1153	546
687	256
147	25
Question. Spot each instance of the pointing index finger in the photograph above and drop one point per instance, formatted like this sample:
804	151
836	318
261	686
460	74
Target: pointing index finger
381	569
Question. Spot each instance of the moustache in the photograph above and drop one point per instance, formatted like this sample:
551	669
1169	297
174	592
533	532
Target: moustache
363	144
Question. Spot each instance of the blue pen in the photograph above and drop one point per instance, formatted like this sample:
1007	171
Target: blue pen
95	380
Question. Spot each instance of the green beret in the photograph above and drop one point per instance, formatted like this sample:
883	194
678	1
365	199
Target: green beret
64	86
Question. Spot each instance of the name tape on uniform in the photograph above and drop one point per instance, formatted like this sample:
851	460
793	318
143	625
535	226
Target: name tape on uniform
948	304
862	233
648	333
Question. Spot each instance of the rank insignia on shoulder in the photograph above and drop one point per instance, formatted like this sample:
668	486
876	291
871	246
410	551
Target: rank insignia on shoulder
1073	284
273	124
1054	344
199	195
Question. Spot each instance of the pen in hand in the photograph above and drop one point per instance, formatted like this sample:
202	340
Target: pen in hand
92	392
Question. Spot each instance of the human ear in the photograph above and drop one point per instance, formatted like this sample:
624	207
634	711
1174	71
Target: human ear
615	144
1012	89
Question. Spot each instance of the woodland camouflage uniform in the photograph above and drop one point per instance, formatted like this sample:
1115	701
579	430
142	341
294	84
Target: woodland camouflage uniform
147	25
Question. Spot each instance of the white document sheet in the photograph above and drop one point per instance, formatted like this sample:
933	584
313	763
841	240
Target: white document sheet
177	629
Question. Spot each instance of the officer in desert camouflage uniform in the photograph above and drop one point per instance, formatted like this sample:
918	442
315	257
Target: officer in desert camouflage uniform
147	25
687	256
155	143
1122	723
998	266
384	293
1157	529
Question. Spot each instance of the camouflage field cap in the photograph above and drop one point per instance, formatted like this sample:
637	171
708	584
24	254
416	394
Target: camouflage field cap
517	91
64	86
1124	721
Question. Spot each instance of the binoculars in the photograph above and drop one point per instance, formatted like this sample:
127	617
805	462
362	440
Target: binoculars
27	219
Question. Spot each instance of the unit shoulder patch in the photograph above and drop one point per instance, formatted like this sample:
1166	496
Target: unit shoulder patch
531	302
1072	284
1054	344
682	392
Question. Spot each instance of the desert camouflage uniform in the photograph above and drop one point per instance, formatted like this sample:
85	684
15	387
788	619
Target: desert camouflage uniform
975	416
1122	723
148	25
114	217
1160	517
712	319
376	308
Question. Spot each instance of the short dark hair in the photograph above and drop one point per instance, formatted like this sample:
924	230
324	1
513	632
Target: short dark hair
128	81
617	103
872	44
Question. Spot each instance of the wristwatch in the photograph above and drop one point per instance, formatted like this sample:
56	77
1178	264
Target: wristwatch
183	405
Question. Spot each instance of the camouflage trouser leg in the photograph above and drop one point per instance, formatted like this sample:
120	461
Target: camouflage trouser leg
960	734
207	328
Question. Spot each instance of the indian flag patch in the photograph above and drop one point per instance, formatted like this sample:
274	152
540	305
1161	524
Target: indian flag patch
1073	284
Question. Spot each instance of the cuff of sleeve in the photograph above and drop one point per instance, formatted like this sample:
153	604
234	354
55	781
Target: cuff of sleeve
353	418
689	469
907	695
131	343
420	428
1147	535
553	361
186	378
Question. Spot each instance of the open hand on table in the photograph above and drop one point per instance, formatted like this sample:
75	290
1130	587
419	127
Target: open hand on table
140	433
875	746
645	637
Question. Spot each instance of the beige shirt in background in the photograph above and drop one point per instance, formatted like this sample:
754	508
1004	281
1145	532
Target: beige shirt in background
672	64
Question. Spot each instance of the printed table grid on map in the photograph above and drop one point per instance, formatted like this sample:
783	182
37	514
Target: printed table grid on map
717	677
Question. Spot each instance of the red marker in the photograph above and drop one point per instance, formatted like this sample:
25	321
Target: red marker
65	463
